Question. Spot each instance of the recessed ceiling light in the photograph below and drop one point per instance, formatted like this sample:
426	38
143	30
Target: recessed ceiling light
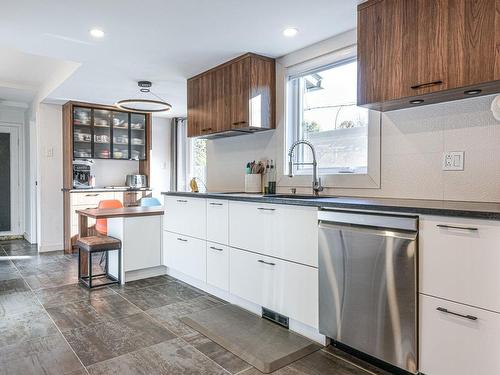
290	31
97	33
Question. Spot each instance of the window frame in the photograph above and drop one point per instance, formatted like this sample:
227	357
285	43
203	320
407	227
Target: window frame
293	119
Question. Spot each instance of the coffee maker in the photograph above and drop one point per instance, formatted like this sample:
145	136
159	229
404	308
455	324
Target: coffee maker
82	174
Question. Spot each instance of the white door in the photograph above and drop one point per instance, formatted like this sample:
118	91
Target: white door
10	190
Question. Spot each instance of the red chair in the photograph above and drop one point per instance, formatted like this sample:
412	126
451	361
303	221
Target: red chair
101	225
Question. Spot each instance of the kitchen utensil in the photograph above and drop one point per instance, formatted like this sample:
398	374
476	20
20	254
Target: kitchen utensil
136	181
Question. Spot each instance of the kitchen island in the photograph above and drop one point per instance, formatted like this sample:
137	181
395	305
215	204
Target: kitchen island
140	231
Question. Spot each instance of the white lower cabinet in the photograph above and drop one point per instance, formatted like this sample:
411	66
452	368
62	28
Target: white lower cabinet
288	288
218	265
457	345
185	254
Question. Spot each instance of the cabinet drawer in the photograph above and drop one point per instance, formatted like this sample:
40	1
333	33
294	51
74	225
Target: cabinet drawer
186	216
286	232
460	259
217	221
218	265
453	345
185	254
285	287
90	198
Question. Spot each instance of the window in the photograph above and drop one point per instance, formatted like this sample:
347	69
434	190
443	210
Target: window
322	110
198	162
190	158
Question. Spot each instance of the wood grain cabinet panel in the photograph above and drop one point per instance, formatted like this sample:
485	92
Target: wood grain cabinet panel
426	51
237	95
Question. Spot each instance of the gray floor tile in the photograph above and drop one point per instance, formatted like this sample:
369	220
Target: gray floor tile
217	353
175	289
17	328
47	355
143	283
52	279
13	286
98	342
17	303
169	315
8	270
171	357
356	361
148	298
98	309
321	362
69	293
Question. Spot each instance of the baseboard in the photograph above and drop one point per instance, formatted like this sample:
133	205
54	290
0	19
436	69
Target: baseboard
42	248
145	273
27	237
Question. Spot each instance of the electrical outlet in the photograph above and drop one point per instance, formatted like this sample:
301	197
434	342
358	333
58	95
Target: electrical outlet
453	161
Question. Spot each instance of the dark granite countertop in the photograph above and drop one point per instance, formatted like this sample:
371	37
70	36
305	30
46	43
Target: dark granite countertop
104	189
477	210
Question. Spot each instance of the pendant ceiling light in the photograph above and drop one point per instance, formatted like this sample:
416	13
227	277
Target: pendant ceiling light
144	104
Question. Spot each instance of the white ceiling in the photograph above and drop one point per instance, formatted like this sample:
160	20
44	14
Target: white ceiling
165	41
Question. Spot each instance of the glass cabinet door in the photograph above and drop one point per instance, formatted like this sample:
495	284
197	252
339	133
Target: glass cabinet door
82	133
138	136
102	134
120	135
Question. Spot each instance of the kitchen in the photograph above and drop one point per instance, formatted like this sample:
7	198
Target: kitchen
331	208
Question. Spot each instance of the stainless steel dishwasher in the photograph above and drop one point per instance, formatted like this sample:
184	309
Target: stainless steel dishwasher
368	283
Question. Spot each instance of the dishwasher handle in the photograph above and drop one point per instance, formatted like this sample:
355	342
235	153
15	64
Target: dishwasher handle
397	222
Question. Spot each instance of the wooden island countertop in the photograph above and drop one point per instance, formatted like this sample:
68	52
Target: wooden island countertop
108	213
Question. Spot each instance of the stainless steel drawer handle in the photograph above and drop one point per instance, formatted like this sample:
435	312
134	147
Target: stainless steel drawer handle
181	239
181	200
91	195
264	262
472	229
266	209
216	204
216	248
470	317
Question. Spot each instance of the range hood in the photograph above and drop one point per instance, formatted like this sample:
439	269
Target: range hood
236	131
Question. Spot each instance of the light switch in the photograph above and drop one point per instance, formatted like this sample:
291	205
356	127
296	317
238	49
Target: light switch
50	152
453	161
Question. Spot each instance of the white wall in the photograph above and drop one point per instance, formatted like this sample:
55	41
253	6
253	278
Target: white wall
413	141
160	156
113	172
49	177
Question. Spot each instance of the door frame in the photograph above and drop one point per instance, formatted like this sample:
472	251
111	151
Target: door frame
16	132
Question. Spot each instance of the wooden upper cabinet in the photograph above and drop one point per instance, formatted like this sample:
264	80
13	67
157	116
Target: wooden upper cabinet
238	96
415	52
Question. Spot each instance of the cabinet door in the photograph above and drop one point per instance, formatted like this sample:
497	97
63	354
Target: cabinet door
218	221
102	134
472	42
262	92
82	133
222	99
425	46
380	41
286	232
186	216
193	107
240	92
451	344
460	259
120	123
185	254
288	288
206	99
138	136
218	265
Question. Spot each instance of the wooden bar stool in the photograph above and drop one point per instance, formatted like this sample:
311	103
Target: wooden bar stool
97	244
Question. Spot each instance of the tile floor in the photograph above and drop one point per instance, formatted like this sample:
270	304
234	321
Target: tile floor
51	325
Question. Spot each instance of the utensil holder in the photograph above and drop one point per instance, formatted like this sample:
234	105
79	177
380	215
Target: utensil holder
253	183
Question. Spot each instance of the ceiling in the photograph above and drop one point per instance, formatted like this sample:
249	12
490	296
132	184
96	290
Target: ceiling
164	41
